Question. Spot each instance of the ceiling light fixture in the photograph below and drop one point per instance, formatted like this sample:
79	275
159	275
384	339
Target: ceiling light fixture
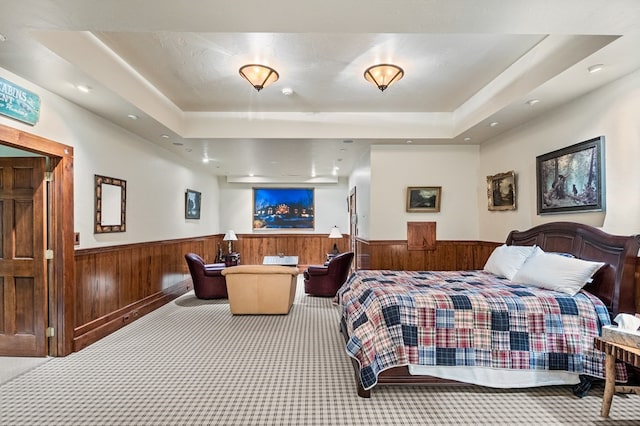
83	88
383	75
287	91
493	124
595	68
132	116
259	76
532	102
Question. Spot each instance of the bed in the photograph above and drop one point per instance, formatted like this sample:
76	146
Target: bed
478	327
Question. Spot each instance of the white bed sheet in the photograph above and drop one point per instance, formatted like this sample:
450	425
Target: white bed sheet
497	377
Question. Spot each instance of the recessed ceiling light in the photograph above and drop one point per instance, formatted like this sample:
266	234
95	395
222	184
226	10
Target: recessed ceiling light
163	136
494	124
205	160
595	68
467	138
132	116
409	141
287	91
83	88
532	102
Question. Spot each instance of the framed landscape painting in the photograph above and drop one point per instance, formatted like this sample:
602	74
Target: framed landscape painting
192	204
571	179
423	198
283	208
501	191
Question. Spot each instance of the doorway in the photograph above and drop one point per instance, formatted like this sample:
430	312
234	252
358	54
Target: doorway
23	268
38	307
353	228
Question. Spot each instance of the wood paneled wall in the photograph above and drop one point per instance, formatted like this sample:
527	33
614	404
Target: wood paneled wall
311	249
118	284
447	255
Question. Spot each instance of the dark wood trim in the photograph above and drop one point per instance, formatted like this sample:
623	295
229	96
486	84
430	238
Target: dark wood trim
134	246
101	327
445	255
62	273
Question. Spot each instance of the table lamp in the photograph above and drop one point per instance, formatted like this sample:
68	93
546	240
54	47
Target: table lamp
335	233
230	236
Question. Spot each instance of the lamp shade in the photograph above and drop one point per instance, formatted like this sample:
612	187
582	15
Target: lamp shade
335	233
230	236
259	76
383	75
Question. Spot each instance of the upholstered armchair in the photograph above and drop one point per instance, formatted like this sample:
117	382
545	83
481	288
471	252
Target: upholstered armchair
261	289
208	281
325	280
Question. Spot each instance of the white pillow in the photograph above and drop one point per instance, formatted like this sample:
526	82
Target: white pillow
506	260
555	272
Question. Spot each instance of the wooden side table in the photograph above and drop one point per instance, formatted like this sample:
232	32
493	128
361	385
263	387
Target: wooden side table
615	351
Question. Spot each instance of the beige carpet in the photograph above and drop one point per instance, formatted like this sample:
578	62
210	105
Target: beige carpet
192	363
12	367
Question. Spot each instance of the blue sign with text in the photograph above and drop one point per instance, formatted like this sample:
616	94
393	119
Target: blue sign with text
19	103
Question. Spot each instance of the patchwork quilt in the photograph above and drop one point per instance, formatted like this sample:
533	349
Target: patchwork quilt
467	318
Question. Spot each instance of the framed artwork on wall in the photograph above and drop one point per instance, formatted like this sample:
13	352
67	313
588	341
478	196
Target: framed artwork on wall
283	208
110	204
192	201
501	191
571	179
423	198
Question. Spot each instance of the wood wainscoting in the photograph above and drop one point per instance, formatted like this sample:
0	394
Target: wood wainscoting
116	285
446	255
311	249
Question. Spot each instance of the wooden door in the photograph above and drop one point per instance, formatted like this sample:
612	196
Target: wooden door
353	229
23	287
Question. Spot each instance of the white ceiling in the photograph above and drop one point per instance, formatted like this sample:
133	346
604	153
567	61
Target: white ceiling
467	64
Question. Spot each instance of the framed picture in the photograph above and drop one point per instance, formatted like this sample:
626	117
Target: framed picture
192	204
571	179
423	198
283	208
501	191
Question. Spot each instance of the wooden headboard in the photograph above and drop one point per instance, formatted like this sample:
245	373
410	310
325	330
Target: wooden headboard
613	284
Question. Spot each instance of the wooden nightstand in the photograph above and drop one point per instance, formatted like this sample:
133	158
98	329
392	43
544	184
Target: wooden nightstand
615	351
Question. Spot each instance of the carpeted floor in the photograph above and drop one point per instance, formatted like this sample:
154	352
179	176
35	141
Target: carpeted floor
192	363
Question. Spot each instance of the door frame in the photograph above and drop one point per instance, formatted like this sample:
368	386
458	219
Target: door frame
353	228
61	289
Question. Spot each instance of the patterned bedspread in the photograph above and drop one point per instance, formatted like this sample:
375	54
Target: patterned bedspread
467	318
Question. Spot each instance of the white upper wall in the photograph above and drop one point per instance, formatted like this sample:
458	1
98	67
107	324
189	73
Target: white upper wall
156	181
360	181
613	111
236	207
454	168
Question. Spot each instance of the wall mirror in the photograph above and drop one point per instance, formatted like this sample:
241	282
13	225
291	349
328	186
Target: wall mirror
110	204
